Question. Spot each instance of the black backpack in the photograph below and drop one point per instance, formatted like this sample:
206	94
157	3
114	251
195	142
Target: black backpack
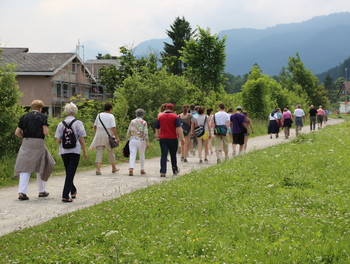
69	139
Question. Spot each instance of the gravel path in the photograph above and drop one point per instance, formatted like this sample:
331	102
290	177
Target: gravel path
92	189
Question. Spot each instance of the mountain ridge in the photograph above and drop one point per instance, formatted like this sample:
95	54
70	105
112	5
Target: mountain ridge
322	43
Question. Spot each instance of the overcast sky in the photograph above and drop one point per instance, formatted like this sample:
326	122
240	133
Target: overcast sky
105	25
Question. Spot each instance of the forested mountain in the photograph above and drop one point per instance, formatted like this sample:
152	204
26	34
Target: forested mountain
321	42
343	70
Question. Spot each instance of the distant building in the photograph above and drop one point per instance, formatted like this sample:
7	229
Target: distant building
51	77
344	96
95	65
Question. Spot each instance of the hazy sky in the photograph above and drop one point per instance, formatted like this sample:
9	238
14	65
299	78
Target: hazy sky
105	25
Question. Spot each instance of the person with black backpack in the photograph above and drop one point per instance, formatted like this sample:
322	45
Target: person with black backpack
70	135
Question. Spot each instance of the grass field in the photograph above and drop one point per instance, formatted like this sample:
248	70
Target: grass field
285	204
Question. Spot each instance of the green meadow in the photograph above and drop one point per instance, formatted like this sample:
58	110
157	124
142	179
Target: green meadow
285	204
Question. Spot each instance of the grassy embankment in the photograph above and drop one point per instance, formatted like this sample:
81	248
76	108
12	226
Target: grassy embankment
286	204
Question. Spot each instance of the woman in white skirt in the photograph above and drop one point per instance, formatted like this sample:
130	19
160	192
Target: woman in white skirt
100	141
138	141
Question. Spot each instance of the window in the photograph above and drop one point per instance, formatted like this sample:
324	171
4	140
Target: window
74	67
74	90
65	90
58	89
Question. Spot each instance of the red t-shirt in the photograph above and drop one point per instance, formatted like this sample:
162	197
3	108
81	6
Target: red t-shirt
167	123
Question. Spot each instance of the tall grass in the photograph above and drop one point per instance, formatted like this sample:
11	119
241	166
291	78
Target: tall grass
285	204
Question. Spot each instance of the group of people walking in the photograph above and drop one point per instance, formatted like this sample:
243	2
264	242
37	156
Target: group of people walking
195	127
33	156
285	120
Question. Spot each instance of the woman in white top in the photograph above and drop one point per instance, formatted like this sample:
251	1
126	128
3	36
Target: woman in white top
273	127
299	116
202	120
71	156
100	141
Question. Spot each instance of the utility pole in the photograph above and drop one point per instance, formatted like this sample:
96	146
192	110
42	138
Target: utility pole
346	74
78	50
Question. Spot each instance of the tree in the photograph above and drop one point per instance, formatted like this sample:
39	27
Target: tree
255	94
205	58
180	32
109	78
9	108
149	90
261	94
234	83
298	79
331	89
113	77
107	56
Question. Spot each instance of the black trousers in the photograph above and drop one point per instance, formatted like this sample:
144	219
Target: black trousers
168	145
71	162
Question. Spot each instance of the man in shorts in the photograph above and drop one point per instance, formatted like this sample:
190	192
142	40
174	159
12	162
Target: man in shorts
320	116
221	118
239	128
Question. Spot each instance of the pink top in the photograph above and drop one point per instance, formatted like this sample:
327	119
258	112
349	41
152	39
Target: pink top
287	115
320	112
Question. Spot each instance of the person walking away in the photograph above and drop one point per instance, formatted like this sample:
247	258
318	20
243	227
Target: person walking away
229	130
211	130
239	128
138	135
312	114
70	148
186	120
287	122
193	139
299	115
33	155
326	112
320	116
202	120
250	130
162	109
100	141
168	130
279	117
222	123
273	127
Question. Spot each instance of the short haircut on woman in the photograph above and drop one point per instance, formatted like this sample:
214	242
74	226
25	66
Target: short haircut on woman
37	104
108	106
71	109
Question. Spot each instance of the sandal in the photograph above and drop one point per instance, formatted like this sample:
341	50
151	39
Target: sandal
22	196
74	195
131	172
143	172
67	200
43	194
115	170
98	173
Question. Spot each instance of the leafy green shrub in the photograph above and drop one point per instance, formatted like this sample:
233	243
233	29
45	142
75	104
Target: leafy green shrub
10	111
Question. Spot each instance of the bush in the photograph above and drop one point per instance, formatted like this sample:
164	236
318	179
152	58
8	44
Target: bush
10	110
